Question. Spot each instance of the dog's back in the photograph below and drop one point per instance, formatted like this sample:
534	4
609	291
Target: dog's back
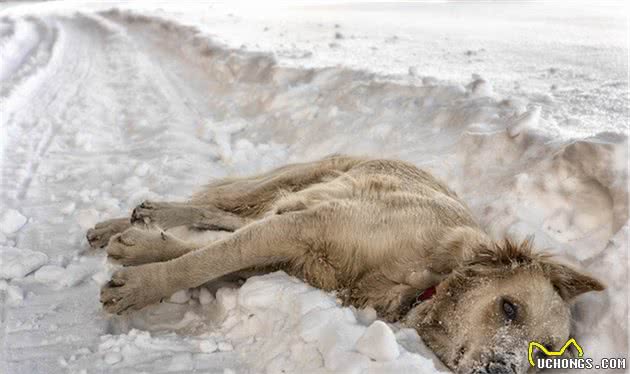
382	227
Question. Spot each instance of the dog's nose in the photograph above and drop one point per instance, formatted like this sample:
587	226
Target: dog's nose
500	366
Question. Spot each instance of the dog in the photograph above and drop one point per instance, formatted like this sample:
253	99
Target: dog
381	233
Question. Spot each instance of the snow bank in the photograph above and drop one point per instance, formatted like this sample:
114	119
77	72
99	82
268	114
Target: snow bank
275	323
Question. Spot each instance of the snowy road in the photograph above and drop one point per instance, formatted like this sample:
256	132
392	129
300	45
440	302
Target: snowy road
100	111
71	115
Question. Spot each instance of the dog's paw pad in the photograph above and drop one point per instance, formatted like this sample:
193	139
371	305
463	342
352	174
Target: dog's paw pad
127	290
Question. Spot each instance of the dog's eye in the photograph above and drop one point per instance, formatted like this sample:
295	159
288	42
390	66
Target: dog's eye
509	310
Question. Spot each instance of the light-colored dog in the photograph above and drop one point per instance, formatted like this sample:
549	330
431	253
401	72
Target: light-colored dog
381	233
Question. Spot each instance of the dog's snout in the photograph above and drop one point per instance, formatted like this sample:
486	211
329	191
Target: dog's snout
497	365
500	366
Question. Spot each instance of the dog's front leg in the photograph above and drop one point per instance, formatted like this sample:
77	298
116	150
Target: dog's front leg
273	240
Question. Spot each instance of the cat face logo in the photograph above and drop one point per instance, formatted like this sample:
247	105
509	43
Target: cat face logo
547	352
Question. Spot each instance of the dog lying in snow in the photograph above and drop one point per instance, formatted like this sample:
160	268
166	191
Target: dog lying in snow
381	233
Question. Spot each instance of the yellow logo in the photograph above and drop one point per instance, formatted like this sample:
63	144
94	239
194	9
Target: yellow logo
552	353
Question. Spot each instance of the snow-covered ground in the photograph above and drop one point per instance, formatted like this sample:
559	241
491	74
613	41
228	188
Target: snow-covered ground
521	107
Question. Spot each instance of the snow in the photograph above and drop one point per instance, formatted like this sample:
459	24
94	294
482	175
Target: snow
14	293
18	262
525	122
12	221
205	297
58	276
208	346
180	297
378	342
521	108
225	347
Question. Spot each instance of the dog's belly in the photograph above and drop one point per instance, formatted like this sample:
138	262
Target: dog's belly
316	268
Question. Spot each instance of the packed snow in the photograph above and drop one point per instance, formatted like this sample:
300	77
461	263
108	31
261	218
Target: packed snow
19	262
521	108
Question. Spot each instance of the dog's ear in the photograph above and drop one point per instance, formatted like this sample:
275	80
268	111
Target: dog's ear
570	282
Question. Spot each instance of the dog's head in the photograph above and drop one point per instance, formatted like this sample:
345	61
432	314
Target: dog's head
485	313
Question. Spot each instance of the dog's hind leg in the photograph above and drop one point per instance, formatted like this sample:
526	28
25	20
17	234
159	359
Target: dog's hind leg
274	240
169	215
228	204
166	216
252	197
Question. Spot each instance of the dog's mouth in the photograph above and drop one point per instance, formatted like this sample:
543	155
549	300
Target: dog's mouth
505	363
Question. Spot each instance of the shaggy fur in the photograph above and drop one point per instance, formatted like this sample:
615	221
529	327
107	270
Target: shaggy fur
379	232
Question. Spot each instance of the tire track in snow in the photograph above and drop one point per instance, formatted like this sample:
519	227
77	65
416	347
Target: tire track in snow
97	83
38	118
25	108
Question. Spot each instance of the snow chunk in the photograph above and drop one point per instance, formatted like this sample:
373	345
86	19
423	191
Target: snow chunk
142	169
68	208
16	296
49	273
480	87
529	119
225	347
226	297
18	262
101	277
61	277
205	297
180	297
367	315
378	342
208	346
112	358
87	218
12	221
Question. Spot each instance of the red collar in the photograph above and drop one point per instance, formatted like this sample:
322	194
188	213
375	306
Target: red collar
425	295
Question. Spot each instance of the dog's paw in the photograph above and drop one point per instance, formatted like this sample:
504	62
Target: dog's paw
136	246
152	213
99	235
131	289
143	213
